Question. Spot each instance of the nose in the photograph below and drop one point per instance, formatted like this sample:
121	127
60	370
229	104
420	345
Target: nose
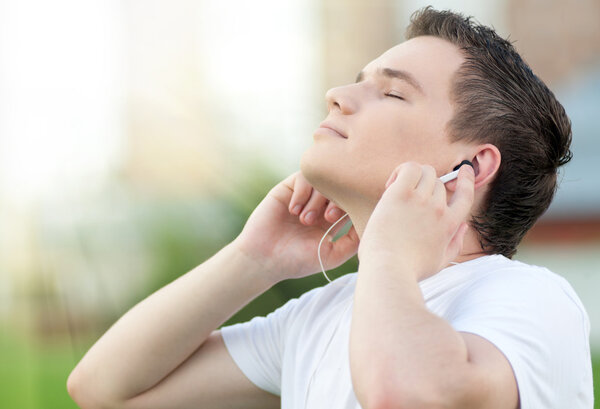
341	99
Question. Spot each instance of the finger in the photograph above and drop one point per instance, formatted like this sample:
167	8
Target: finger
283	191
463	197
314	208
439	196
302	192
406	176
347	245
333	212
392	178
427	182
335	253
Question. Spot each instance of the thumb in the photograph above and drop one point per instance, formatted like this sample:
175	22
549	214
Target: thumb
464	194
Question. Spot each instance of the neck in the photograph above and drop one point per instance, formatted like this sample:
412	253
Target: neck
471	248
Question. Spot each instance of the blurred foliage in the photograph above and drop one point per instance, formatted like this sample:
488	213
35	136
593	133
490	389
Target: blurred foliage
33	374
176	236
183	236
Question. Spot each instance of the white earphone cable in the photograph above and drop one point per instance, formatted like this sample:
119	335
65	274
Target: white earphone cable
444	179
321	242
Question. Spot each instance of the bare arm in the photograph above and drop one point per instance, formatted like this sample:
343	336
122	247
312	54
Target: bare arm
402	355
156	336
208	378
162	354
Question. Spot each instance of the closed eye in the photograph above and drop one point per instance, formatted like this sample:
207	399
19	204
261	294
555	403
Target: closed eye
394	96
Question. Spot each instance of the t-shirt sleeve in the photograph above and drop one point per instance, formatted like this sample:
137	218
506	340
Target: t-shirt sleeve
539	324
257	346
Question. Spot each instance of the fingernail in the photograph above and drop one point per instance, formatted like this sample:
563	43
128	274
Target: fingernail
335	212
296	210
390	180
310	217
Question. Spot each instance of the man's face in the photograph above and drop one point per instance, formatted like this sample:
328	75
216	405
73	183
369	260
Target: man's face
396	112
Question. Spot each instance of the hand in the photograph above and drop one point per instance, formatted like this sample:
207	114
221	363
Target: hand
283	232
413	226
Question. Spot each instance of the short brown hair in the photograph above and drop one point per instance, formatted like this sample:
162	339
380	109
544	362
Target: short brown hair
499	100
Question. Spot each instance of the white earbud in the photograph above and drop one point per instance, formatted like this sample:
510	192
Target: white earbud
445	179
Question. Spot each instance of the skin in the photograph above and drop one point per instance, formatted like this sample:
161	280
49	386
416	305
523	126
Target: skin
410	227
388	119
165	352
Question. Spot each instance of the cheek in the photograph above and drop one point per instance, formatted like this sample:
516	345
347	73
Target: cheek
381	144
388	137
372	159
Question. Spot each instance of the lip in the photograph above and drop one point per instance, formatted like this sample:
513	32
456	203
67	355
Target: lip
332	127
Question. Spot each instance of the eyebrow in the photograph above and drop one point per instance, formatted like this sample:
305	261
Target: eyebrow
397	74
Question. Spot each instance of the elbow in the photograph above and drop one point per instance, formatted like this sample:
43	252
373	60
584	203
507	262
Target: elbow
386	387
386	394
397	400
77	390
81	390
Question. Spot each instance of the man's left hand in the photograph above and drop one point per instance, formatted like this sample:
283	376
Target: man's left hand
415	225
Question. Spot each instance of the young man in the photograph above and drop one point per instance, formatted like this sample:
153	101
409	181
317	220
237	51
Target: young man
437	315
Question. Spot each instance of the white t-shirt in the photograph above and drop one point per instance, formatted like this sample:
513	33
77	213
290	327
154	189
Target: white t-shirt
533	316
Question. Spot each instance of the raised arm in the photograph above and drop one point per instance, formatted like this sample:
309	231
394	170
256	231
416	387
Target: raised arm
165	351
401	354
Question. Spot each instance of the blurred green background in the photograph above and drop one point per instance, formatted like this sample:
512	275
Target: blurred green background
41	348
137	136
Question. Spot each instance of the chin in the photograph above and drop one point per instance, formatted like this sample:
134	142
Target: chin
313	168
332	177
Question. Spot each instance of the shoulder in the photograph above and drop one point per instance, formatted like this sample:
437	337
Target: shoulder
534	317
504	291
261	346
533	288
314	304
322	299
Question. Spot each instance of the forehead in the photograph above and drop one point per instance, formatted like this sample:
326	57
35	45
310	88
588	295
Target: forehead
431	60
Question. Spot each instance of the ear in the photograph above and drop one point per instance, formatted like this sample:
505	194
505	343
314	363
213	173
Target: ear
486	161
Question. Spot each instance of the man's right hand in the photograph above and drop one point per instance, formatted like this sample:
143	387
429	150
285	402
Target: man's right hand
165	352
283	232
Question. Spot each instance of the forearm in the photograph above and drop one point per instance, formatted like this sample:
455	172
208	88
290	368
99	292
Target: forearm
399	351
163	330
